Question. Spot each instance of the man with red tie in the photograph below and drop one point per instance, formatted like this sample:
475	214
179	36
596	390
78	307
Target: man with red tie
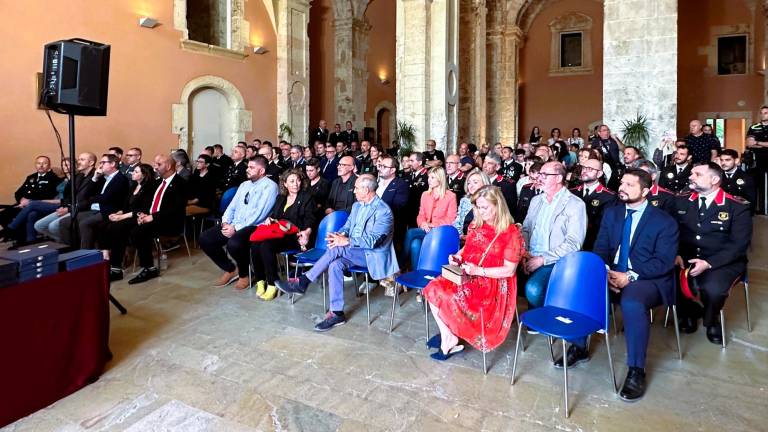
165	217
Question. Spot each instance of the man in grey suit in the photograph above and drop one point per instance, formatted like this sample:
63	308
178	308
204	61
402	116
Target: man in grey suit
365	240
555	226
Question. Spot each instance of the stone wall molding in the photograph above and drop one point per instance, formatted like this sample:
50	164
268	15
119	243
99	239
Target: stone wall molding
293	68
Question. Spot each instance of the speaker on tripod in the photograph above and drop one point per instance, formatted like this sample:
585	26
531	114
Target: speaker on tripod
76	77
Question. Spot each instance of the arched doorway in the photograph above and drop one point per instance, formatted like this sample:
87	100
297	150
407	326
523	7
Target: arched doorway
209	119
382	127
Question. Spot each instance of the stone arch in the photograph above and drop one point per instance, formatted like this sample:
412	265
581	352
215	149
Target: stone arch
240	117
524	15
385	105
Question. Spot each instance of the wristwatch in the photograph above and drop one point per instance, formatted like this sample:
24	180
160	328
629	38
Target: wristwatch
631	277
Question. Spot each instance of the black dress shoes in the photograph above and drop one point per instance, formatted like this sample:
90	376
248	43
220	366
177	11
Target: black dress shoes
576	355
634	385
689	325
115	275
144	275
715	334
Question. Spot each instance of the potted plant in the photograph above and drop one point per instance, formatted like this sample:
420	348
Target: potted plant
285	131
636	132
406	136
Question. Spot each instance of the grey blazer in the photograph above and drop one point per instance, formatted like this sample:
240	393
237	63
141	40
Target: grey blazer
568	226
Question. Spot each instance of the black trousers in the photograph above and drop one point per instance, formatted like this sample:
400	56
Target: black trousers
114	237
264	257
714	286
213	242
142	237
7	215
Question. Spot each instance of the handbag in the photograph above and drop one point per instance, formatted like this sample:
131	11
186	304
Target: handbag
455	274
274	230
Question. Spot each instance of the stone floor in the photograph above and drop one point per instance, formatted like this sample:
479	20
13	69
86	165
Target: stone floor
190	357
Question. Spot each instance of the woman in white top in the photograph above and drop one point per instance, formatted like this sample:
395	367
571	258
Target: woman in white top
576	138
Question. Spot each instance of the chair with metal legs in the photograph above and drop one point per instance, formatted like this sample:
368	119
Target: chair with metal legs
575	306
743	279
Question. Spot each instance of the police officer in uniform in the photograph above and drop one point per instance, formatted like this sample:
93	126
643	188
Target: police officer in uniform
319	134
40	185
336	136
715	233
491	165
675	177
235	174
759	148
350	135
736	181
417	184
658	196
456	177
510	169
529	190
596	197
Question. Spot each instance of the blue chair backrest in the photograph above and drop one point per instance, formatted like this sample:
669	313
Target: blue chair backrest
579	282
226	199
437	245
331	223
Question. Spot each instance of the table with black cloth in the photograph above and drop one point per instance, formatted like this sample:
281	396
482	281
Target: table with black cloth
54	333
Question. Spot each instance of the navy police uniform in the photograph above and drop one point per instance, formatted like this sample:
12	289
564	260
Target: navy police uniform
456	185
596	201
742	185
662	198
674	179
527	192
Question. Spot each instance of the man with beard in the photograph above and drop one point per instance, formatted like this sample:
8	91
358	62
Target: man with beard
658	196
736	181
595	196
637	242
675	177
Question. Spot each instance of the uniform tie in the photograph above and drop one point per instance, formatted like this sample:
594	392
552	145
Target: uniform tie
702	207
626	240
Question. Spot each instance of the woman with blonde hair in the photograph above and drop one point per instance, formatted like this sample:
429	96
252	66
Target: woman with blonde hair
437	208
475	180
482	308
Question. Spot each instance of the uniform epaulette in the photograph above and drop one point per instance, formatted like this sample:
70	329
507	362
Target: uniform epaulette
601	188
755	125
736	198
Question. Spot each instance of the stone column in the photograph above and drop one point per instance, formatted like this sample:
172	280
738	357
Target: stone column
504	43
764	11
293	68
478	104
640	64
427	69
351	73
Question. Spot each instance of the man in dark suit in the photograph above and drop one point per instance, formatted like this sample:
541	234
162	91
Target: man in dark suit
736	181
165	217
335	136
350	135
113	188
318	186
637	241
297	158
608	145
715	233
329	163
596	198
220	160
675	177
320	133
274	169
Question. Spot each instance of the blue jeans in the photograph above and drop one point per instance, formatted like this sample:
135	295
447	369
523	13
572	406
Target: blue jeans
412	245
336	260
536	286
30	214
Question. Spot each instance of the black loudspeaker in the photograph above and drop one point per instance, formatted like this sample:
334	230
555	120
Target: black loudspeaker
76	77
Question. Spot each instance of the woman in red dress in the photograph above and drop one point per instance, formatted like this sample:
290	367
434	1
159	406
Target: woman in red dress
482	309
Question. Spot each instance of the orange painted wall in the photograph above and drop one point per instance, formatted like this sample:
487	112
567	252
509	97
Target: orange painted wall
564	101
700	90
381	57
148	71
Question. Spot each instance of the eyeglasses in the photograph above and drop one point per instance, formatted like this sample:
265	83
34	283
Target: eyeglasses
346	165
106	161
588	168
548	174
451	163
380	166
132	154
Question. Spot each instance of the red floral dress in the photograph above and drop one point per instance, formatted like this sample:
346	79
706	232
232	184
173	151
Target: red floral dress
481	310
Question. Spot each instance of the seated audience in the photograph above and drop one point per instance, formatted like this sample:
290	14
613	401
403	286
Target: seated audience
201	188
221	161
736	181
674	177
365	240
342	193
250	206
482	310
393	190
456	177
165	216
491	166
417	184
640	275
183	166
596	198
715	233
114	233
319	187
273	166
40	185
118	152
235	174
112	189
51	225
554	227
132	160
464	214
530	189
658	196
296	206
466	158
432	156
329	163
437	208
296	158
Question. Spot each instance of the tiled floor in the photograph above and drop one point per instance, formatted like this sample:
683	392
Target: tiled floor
190	357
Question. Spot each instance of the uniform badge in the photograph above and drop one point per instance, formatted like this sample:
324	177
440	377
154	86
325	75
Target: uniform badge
723	216
595	203
739	182
655	203
670	175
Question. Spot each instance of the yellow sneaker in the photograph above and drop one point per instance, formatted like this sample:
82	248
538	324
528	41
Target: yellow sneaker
261	286
270	293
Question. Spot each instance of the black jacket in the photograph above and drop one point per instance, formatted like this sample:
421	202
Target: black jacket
674	182
203	189
84	190
172	212
111	200
742	185
301	213
235	175
342	195
42	189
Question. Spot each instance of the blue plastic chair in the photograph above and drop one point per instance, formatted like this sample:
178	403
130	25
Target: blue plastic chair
226	199
576	305
439	243
355	270
330	223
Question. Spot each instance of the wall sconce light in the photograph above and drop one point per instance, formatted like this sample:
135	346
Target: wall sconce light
148	22
260	50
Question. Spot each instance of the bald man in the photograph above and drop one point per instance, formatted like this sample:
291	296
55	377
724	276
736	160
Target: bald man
342	194
703	147
165	218
596	197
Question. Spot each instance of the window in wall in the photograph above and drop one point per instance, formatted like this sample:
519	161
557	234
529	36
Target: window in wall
570	49
732	55
213	26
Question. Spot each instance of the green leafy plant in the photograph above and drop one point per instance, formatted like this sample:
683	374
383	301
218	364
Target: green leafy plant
636	132
406	135
285	131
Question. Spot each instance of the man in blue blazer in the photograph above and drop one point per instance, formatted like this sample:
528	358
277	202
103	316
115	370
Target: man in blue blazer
365	240
641	274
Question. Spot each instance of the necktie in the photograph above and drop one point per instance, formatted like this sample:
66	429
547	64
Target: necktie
626	241
679	170
702	207
586	192
158	195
